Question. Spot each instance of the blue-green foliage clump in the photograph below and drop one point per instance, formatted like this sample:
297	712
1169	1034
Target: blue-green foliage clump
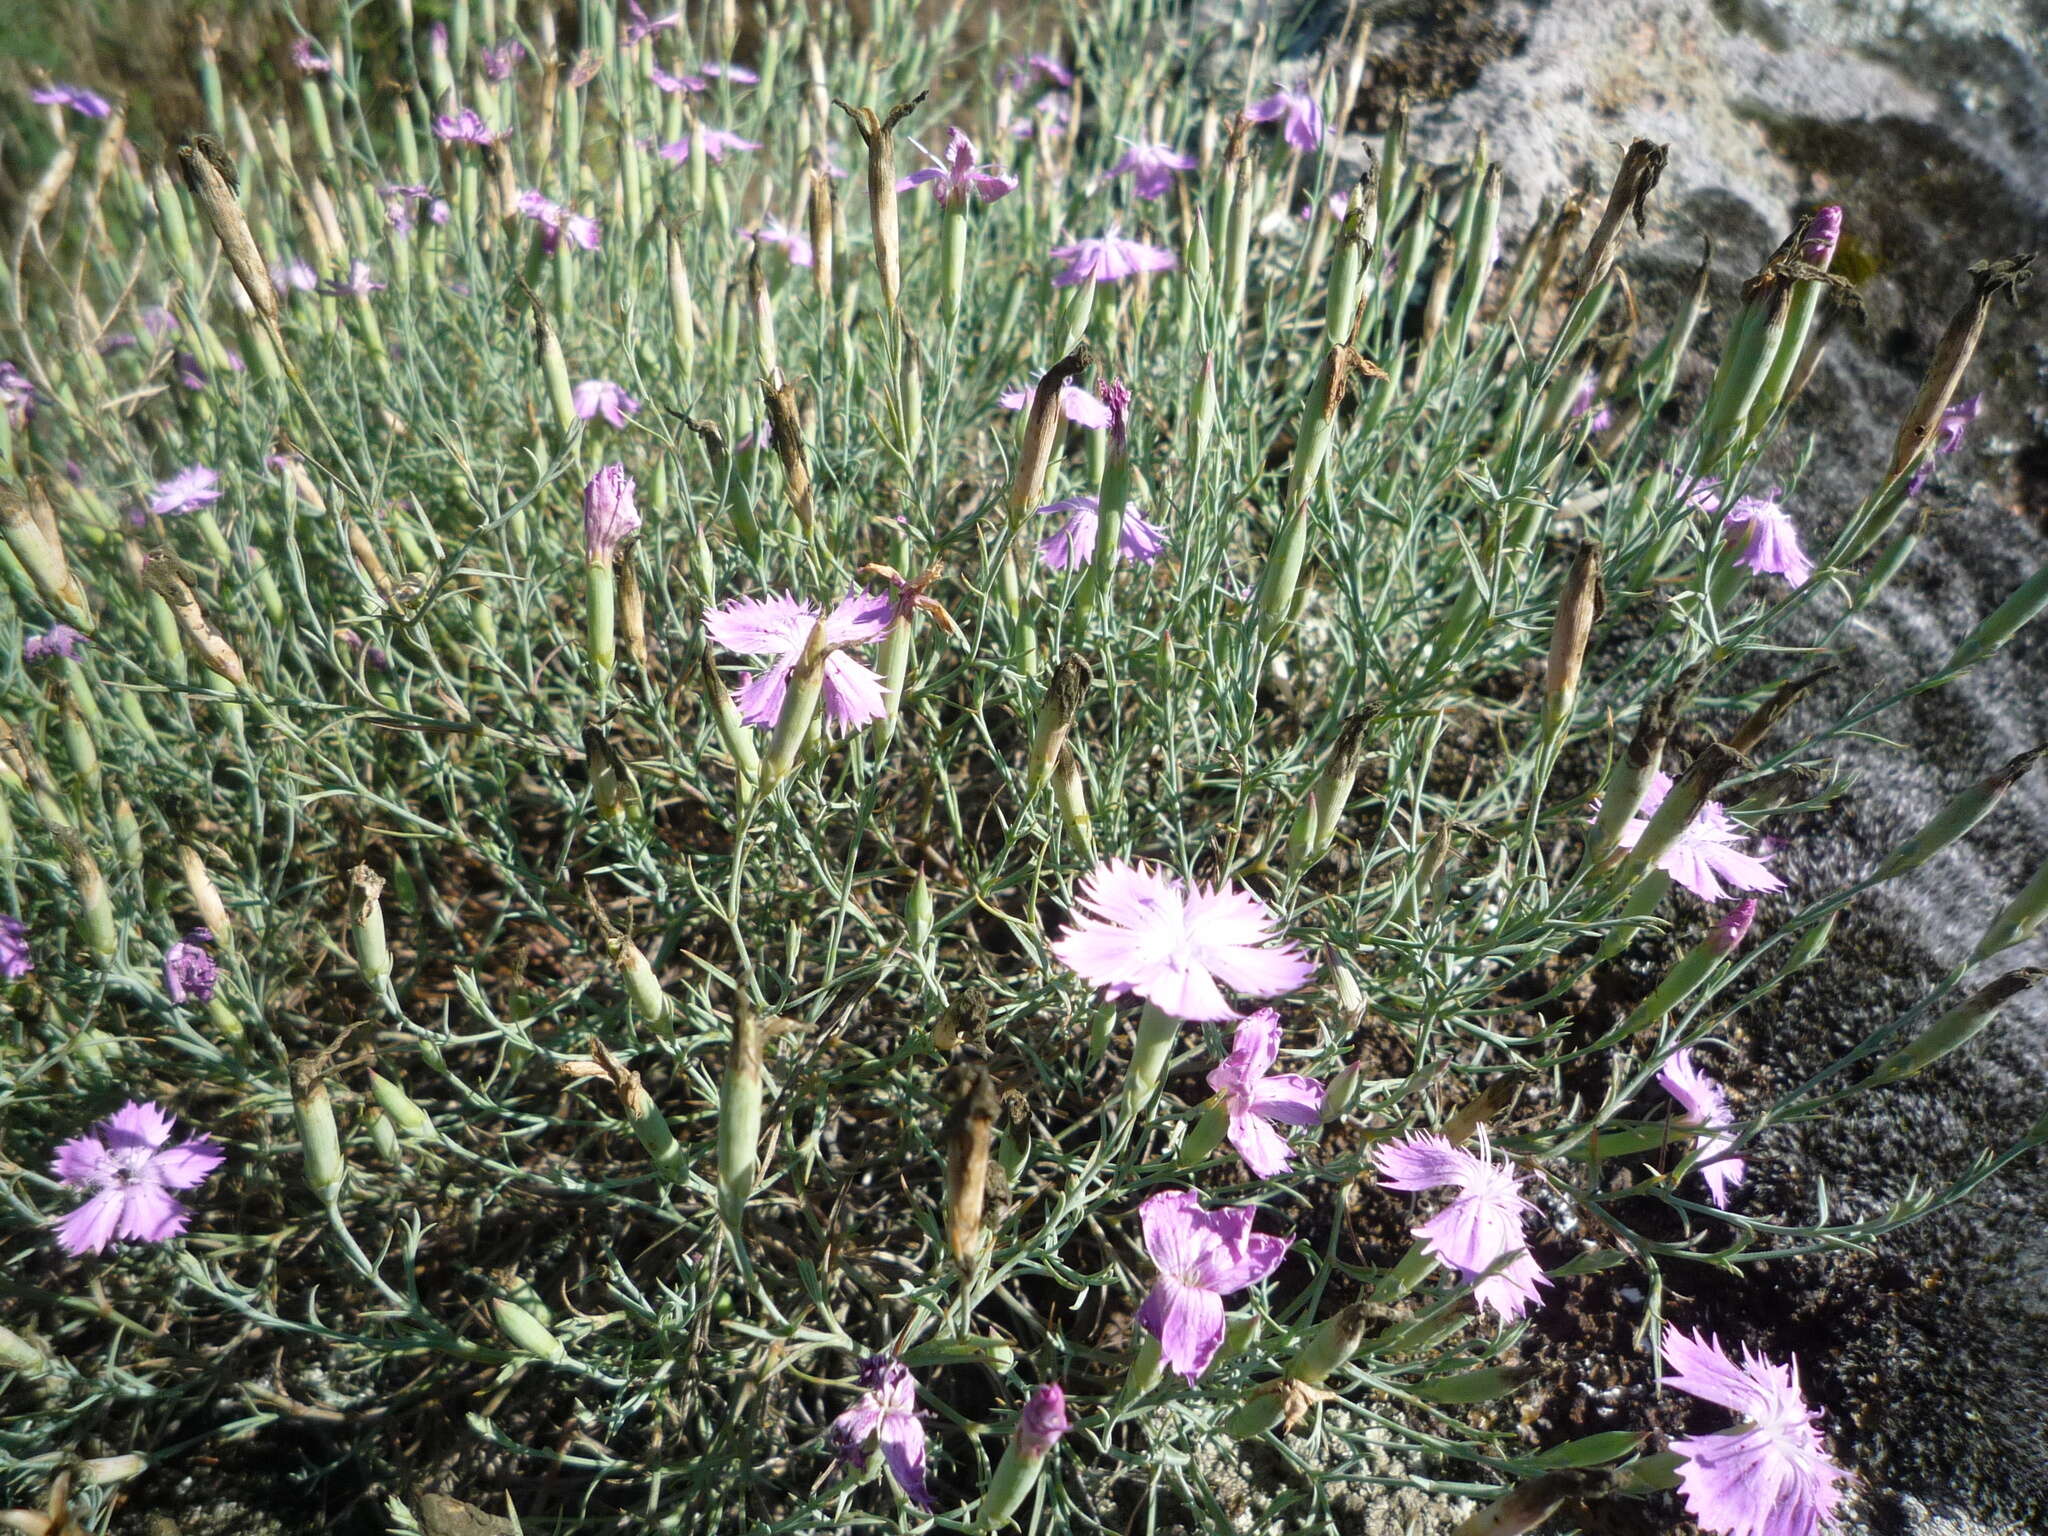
626	1066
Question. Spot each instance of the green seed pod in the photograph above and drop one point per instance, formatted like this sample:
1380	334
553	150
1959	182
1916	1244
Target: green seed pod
525	1332
1335	1340
319	1137
1956	818
1954	1029
399	1108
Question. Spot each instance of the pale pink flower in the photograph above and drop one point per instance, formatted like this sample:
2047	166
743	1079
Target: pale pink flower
464	127
1771	1474
610	516
794	243
1151	167
1706	852
887	1412
1299	114
1254	1096
1076	404
1765	539
718	143
1072	545
1706	1111
125	1161
779	627
1480	1227
672	84
601	397
1108	258
1203	1256
1139	931
957	178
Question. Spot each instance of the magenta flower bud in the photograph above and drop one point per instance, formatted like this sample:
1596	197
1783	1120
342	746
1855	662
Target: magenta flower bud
1116	394
1733	928
1821	236
190	973
15	959
609	516
1043	1422
61	641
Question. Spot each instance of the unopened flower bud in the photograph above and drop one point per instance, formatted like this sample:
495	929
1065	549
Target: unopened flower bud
2020	919
24	1356
319	1137
609	513
1070	795
1056	711
738	739
523	1331
611	782
206	900
1956	1028
95	903
739	1112
1315	825
799	706
398	1107
1039	1428
1527	1505
969	1128
366	926
1204	1135
1341	1097
2001	624
1579	605
554	370
918	915
1957	817
1733	927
